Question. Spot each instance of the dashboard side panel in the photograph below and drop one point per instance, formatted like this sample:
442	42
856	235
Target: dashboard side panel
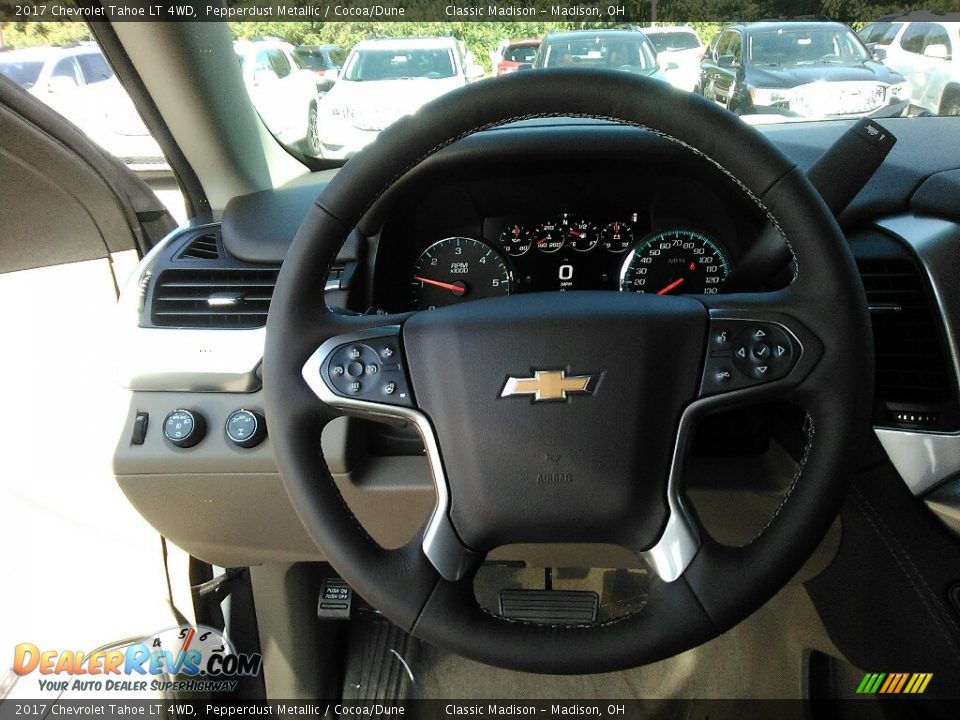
227	505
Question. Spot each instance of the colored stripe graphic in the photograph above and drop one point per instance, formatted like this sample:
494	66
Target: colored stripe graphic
894	683
891	679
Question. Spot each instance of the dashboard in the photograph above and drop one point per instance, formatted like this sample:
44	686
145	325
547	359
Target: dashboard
537	199
583	227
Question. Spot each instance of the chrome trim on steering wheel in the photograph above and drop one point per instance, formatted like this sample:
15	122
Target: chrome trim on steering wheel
678	544
440	542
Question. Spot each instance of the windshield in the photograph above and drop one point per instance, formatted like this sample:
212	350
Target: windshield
600	52
679	40
399	64
24	74
804	46
304	78
881	32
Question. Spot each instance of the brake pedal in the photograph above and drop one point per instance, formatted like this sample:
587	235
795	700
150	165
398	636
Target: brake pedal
557	607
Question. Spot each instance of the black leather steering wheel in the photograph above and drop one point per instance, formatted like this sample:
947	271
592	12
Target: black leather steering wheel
627	376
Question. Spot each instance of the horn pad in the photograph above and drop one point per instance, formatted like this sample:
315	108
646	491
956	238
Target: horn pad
556	414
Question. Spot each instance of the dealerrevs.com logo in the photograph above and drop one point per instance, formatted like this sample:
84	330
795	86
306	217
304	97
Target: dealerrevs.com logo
200	658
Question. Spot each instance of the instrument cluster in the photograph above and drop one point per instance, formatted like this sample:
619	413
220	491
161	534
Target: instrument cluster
568	251
620	224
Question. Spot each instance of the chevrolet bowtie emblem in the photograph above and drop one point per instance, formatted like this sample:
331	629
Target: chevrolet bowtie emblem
549	385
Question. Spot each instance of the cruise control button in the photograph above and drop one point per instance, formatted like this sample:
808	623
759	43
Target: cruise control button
372	369
390	388
355	387
337	370
722	376
387	352
355	369
354	353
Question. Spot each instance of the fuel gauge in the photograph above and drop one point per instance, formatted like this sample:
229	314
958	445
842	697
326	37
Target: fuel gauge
580	234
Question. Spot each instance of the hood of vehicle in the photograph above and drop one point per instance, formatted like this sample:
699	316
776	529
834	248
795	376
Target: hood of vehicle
788	76
375	104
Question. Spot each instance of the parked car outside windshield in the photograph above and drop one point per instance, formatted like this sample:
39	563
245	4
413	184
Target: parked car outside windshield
284	94
384	80
611	50
927	54
78	83
679	52
799	71
514	55
323	61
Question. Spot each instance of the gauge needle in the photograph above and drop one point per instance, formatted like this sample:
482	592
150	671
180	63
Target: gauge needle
671	286
454	288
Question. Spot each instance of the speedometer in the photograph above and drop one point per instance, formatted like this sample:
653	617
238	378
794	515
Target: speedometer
455	269
675	262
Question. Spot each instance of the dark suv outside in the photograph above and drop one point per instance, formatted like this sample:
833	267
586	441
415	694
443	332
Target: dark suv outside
809	70
324	61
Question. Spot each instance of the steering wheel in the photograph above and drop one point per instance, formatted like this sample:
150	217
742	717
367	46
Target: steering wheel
566	417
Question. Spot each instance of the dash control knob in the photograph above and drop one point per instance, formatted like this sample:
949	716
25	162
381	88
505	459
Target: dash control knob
184	428
246	428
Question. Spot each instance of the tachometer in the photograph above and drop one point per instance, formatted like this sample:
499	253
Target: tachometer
455	269
675	262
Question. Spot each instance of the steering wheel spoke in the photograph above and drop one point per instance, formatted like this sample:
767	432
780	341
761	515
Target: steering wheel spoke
755	352
364	373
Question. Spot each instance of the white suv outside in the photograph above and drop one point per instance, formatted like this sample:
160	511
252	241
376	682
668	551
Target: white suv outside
283	93
927	54
679	52
78	83
383	80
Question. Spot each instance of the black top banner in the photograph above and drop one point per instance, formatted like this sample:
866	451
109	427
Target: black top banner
586	11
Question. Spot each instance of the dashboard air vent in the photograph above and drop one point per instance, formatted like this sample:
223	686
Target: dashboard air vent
203	247
214	298
913	381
